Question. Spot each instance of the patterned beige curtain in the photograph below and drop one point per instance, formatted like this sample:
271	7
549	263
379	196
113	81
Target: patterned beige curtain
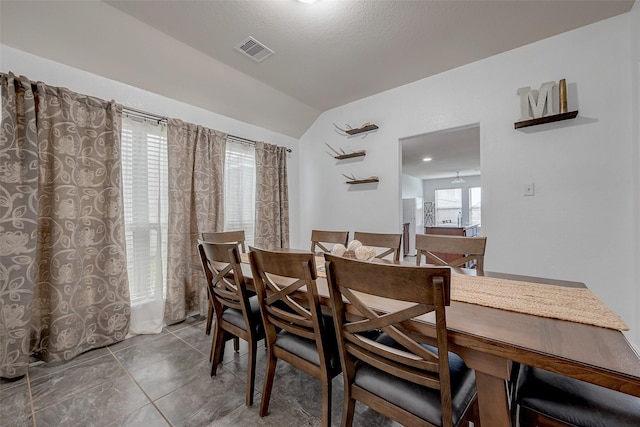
63	281
272	197
196	170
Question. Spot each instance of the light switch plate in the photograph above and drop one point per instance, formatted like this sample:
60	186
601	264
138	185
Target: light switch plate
529	189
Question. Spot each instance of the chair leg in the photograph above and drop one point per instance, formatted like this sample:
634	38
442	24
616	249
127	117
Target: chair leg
218	347
209	318
348	409
213	346
268	383
326	402
251	372
236	344
213	342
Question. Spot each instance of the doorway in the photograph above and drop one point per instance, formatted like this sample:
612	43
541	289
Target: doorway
442	160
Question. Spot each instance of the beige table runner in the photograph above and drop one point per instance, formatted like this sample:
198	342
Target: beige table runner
558	302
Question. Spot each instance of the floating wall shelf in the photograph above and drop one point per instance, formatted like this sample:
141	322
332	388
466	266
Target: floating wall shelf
367	127
351	155
363	129
363	181
547	119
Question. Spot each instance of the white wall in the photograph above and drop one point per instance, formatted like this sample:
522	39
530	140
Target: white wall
56	74
411	187
581	223
635	114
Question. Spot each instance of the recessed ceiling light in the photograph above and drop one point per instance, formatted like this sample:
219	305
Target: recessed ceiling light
427	159
307	1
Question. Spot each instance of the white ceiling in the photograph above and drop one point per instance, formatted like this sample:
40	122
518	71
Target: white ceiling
452	151
326	54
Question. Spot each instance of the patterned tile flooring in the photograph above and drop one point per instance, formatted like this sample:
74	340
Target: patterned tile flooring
161	380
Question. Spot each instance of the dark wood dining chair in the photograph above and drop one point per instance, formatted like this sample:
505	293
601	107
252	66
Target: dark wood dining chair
237	315
388	241
320	237
408	381
236	236
437	248
546	399
295	329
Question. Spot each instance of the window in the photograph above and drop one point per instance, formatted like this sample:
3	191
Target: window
448	205
239	188
144	182
475	204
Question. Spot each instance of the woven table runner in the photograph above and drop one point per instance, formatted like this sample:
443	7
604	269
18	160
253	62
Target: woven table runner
557	302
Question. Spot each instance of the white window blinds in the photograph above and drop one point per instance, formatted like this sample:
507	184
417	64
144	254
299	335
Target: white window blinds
239	188
449	206
145	170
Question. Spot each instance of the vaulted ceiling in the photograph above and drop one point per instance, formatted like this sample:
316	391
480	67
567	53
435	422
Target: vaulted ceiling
327	54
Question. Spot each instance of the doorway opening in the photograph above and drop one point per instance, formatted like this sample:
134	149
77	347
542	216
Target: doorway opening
435	167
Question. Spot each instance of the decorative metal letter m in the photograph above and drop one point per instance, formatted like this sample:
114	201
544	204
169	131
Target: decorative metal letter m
545	98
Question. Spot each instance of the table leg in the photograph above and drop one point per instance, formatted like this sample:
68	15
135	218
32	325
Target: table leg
491	375
492	399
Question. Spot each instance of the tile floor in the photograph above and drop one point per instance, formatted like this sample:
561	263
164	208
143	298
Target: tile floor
160	380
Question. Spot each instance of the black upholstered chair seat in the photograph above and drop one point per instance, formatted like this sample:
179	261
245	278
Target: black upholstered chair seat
575	402
308	350
421	401
234	317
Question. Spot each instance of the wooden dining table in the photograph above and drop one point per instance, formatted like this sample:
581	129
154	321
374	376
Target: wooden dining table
489	340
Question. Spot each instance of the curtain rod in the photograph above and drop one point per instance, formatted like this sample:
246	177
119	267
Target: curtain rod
144	114
248	141
164	119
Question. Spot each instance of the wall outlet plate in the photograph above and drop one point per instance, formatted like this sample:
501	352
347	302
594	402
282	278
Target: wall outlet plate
529	189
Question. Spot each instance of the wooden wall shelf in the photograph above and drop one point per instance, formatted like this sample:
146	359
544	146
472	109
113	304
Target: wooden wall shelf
363	129
351	155
363	181
547	119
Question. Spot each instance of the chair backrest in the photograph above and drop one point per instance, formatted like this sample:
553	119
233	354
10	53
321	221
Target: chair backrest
426	288
278	276
236	236
433	246
390	241
225	281
320	237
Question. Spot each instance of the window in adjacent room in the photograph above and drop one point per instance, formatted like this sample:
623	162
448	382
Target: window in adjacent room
448	206
475	204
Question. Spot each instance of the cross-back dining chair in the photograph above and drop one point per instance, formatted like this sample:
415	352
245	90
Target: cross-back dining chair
389	241
296	331
321	237
237	237
408	381
546	399
433	247
237	314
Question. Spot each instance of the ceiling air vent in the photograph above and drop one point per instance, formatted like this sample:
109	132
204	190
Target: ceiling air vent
254	49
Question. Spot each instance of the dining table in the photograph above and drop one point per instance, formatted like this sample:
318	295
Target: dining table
490	340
